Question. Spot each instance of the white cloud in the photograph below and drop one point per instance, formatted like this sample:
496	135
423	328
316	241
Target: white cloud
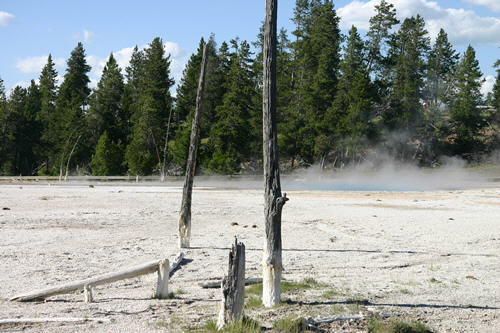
179	58
123	56
5	18
87	35
463	26
494	5
35	64
488	84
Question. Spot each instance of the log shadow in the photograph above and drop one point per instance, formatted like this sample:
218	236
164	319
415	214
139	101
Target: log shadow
184	261
448	254
401	305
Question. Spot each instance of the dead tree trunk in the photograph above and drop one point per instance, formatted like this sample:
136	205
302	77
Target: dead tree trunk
165	150
69	157
185	214
273	201
233	287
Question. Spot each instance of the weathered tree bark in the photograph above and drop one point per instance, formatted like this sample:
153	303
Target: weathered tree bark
104	279
233	286
273	201
185	214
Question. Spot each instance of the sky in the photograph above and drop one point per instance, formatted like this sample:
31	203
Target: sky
31	29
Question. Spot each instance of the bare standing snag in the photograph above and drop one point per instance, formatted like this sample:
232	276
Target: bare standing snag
273	201
185	215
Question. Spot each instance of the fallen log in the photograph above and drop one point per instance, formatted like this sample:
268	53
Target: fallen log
143	269
217	283
308	321
19	321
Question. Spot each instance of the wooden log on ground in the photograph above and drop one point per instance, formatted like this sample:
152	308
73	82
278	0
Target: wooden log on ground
28	321
143	269
217	283
233	287
273	201
185	214
308	321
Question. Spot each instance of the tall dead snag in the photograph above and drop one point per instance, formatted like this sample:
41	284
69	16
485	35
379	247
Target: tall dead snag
233	286
273	201
185	214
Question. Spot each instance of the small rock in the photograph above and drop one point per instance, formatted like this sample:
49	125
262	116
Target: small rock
234	223
254	226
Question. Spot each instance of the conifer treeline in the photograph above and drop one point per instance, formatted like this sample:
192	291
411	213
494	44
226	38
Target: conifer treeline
339	98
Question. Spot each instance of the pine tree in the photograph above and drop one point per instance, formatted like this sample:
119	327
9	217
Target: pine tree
350	115
106	113
15	134
4	131
378	36
316	53
409	48
71	108
31	132
442	62
231	133
108	157
152	111
47	115
496	88
466	118
186	103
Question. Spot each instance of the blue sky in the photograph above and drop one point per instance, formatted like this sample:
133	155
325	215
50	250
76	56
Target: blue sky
31	29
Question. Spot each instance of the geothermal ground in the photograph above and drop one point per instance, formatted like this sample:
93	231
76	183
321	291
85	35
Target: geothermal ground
430	256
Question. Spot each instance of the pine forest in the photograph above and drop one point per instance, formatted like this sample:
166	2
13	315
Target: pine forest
341	99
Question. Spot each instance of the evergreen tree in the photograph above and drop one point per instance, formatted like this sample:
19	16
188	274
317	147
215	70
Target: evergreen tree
151	114
106	112
15	131
408	52
466	118
441	65
4	131
349	117
71	108
31	152
47	115
108	157
316	53
231	133
496	88
442	62
378	36
186	103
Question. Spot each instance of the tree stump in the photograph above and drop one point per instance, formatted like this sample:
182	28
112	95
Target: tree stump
233	287
162	284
